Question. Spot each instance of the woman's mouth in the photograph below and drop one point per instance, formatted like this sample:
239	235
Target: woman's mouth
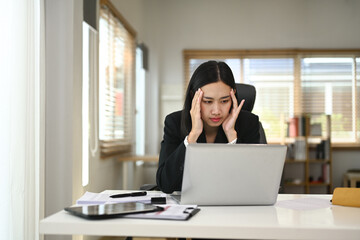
215	119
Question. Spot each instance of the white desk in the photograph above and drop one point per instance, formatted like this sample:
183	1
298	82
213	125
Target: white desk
236	222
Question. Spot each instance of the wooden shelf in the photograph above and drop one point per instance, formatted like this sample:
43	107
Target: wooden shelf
294	161
311	184
307	147
290	184
319	161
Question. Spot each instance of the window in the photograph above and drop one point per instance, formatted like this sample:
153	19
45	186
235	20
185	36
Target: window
140	103
85	103
291	82
327	86
116	80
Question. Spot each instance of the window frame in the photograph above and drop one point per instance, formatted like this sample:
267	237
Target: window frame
113	147
296	54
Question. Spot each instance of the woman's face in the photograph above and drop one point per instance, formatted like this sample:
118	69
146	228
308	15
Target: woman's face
215	104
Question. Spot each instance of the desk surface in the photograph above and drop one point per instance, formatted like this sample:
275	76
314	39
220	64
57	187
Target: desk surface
240	222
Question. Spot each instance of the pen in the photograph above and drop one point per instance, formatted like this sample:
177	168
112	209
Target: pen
132	194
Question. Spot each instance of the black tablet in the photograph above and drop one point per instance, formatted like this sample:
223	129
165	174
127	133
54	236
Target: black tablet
103	211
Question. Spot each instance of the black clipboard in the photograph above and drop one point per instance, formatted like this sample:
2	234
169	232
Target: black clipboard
105	211
190	211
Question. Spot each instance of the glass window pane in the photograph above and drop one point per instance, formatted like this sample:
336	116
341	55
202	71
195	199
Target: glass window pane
327	88
273	80
113	48
357	101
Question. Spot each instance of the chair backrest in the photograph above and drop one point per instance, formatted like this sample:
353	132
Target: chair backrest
248	92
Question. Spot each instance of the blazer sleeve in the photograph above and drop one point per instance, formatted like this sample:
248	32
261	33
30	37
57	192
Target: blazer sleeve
172	154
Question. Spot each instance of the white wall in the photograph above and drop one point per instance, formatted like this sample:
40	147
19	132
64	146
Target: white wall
63	73
59	98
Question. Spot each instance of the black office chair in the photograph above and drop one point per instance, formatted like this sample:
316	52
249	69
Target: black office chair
248	92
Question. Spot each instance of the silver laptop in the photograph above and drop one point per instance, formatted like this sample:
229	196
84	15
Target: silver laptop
232	174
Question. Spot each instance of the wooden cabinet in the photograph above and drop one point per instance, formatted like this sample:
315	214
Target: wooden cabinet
308	165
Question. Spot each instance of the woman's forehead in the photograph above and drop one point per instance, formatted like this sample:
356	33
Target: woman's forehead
216	90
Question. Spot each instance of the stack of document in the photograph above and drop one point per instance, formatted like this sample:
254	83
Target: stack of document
104	198
172	210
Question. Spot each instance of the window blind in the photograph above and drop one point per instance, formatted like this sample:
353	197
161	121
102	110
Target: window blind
292	82
327	88
274	82
116	77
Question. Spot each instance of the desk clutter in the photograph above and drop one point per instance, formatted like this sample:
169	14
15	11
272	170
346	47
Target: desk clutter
157	205
144	205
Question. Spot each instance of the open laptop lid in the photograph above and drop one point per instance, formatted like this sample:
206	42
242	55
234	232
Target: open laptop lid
232	174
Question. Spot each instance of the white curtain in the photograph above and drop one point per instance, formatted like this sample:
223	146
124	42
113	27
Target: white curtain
21	111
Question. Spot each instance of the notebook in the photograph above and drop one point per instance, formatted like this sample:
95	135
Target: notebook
232	174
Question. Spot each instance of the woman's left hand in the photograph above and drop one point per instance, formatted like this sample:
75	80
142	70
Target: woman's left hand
229	123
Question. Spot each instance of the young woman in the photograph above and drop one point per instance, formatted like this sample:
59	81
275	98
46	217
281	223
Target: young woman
211	114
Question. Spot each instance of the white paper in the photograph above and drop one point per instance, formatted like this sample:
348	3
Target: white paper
171	211
304	203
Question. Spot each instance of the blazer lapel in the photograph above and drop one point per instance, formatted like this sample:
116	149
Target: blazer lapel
202	138
221	137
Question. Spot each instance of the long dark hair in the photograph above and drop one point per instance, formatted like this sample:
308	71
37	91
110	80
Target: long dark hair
206	73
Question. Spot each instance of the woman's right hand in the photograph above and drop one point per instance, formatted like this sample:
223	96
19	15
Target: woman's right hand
195	112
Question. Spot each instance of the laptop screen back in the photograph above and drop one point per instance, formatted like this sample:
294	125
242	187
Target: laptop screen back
232	174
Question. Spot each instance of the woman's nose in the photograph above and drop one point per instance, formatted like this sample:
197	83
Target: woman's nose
215	109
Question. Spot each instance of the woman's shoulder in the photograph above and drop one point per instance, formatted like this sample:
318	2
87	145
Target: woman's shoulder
174	117
172	126
175	114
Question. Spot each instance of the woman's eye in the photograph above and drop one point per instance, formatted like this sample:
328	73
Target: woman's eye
225	101
207	102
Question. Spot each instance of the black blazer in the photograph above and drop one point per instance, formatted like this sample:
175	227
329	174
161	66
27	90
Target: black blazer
172	154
